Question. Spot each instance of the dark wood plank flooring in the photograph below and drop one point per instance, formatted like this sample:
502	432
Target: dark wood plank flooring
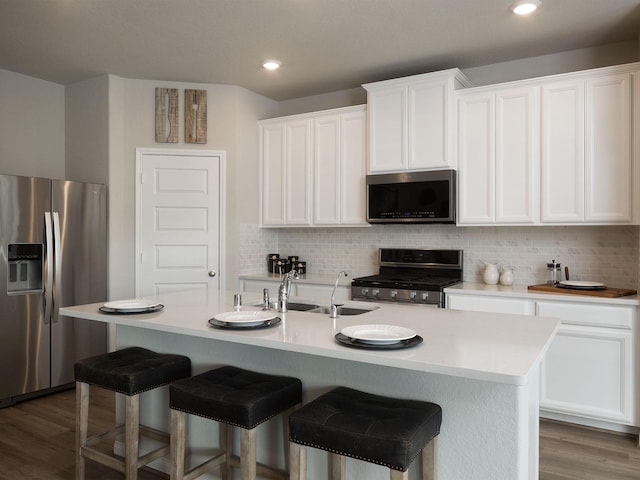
37	441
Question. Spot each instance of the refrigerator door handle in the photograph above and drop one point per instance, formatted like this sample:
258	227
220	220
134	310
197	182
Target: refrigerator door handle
57	268
49	252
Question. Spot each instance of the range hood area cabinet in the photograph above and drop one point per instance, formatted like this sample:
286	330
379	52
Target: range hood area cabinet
559	150
313	169
412	122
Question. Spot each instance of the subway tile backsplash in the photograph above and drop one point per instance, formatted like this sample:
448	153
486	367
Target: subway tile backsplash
609	254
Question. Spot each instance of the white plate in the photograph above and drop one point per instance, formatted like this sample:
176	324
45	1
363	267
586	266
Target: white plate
246	317
134	305
379	334
582	284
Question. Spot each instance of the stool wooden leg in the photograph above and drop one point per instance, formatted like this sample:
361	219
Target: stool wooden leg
430	460
297	461
337	466
247	454
178	443
226	445
132	437
82	422
398	475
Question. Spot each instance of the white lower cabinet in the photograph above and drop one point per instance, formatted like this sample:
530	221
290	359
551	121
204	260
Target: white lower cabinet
589	372
589	368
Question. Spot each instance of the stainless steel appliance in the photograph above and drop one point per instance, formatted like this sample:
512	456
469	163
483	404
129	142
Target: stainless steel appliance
52	254
412	197
416	276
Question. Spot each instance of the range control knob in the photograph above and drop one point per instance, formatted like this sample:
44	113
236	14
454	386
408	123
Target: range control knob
376	292
425	296
365	292
394	294
412	295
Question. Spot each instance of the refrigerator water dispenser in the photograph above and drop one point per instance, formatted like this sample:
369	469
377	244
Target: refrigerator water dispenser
25	268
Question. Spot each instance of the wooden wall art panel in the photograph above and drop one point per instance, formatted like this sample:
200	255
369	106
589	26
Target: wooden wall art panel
167	115
195	116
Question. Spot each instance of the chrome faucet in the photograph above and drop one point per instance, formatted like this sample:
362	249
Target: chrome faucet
285	290
334	305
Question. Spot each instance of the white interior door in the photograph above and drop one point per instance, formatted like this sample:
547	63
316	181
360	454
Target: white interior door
179	220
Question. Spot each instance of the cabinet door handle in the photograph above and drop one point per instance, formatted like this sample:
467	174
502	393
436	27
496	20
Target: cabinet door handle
212	273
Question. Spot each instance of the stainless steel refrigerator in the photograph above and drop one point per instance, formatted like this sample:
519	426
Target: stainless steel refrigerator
52	255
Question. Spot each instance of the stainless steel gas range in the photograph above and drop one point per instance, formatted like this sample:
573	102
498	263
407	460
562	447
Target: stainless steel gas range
415	276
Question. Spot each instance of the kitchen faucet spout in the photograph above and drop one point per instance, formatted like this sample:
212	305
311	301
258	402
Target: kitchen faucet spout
285	290
334	306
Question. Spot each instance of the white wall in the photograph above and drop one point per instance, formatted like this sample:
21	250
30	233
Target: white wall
87	130
32	130
232	114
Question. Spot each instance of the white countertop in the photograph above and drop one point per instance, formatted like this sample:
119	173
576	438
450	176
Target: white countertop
521	291
490	347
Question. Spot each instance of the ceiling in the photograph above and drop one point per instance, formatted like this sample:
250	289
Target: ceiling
324	45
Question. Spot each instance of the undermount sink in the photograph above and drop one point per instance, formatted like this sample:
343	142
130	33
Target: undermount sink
313	308
341	310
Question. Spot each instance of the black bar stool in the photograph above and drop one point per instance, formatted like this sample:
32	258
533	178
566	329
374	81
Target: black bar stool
382	430
129	371
232	397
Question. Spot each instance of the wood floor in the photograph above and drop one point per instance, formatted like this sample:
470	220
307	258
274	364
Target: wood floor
37	442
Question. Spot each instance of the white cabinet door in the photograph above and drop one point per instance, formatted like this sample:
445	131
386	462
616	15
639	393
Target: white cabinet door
387	129
353	168
517	157
428	124
588	371
327	178
562	155
340	169
498	138
273	168
476	150
298	173
608	153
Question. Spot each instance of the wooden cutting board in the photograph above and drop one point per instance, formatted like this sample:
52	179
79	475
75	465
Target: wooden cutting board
608	292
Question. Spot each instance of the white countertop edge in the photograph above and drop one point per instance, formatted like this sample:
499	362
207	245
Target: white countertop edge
160	321
521	291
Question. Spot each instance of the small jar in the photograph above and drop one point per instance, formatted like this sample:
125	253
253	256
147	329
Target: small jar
272	258
301	267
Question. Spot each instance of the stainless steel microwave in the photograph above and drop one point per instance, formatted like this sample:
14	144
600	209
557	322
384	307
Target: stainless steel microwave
412	197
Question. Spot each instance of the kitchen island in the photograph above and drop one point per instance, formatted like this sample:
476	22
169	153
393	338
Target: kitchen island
483	369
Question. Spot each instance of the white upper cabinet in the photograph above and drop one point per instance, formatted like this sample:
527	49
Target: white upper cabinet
553	150
587	149
313	169
498	138
286	172
412	122
340	163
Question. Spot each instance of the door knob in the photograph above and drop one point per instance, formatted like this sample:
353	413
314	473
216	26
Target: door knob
212	273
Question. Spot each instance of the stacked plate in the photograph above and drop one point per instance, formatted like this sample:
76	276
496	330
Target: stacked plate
378	336
126	307
582	285
244	319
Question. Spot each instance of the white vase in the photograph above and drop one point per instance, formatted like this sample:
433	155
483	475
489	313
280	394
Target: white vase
491	273
506	277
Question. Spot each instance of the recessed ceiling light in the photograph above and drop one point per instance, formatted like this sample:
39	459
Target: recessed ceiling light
271	64
525	7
